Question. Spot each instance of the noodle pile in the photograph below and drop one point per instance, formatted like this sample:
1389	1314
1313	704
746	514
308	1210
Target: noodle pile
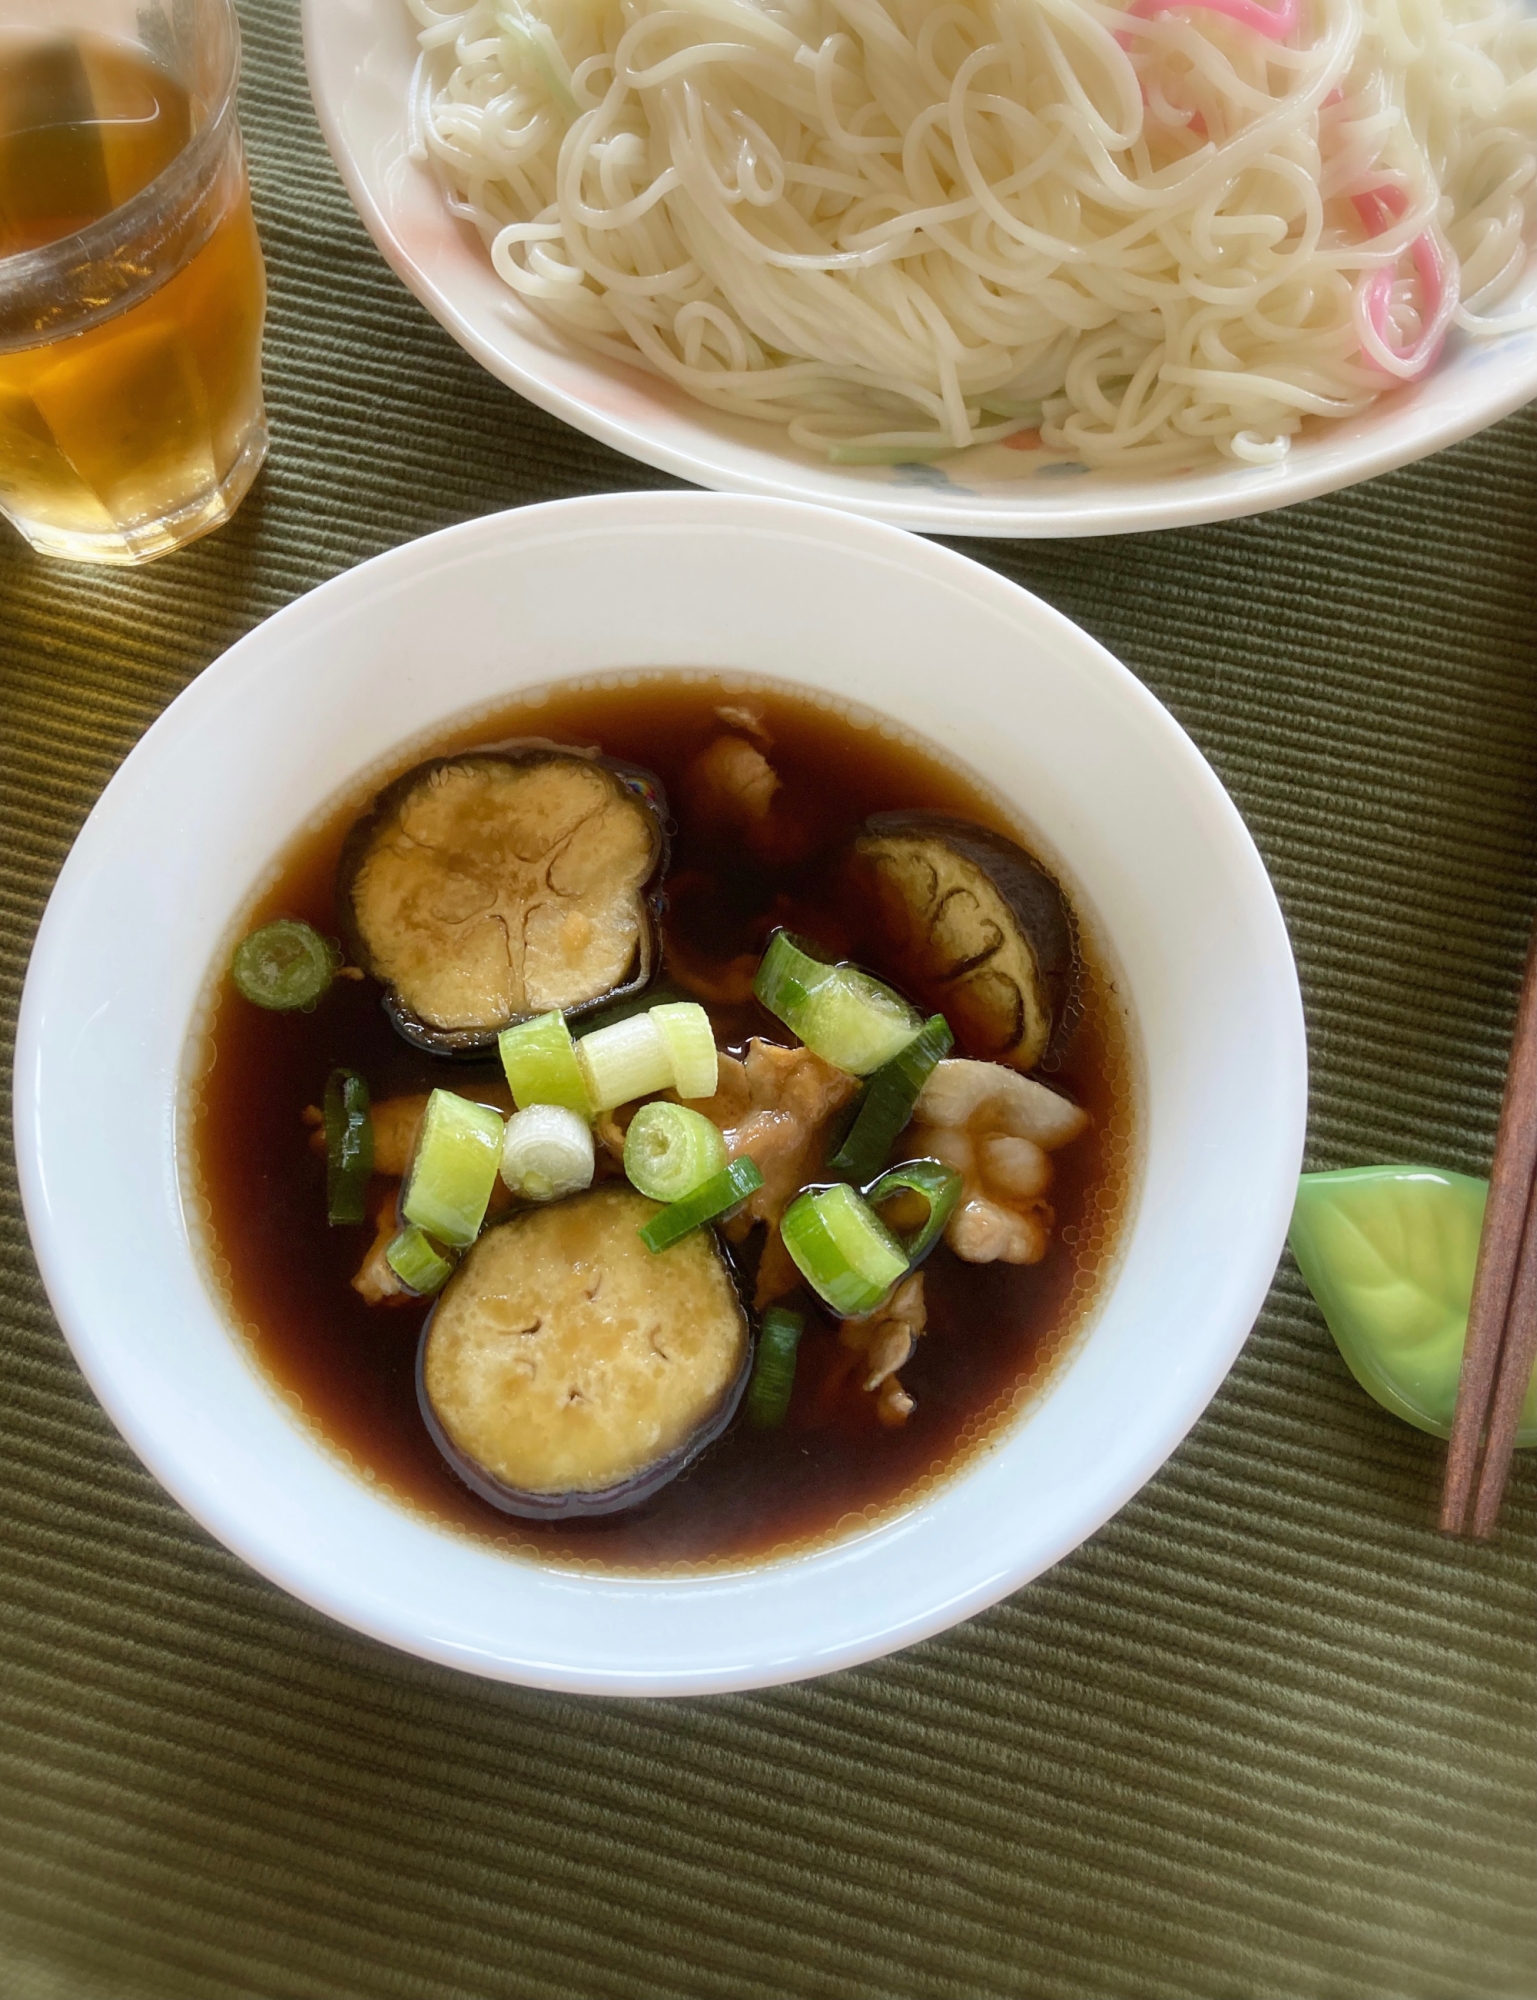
901	227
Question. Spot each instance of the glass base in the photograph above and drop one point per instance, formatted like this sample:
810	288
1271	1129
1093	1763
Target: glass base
144	542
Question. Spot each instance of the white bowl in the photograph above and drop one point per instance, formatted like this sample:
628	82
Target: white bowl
1158	863
360	55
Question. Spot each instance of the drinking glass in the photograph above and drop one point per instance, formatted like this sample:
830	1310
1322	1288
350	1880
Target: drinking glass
131	284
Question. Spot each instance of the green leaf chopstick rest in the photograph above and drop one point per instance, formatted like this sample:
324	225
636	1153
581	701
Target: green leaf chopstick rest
1389	1254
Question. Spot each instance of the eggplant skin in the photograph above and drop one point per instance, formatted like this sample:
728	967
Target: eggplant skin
972	925
484	888
566	1371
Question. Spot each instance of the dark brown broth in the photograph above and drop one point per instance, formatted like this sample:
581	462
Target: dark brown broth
993	1329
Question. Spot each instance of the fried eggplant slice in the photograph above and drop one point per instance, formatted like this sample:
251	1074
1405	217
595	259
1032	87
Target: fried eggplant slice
485	888
966	921
566	1370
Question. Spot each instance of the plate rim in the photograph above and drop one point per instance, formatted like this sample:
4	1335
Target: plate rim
1191	502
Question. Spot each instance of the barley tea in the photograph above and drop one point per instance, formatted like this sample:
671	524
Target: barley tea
130	368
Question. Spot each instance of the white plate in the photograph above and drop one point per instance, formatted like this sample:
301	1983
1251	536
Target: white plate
360	55
1158	863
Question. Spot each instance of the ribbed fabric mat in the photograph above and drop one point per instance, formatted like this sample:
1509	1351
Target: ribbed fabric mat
1267	1735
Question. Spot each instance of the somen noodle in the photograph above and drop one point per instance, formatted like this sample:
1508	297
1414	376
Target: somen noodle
900	228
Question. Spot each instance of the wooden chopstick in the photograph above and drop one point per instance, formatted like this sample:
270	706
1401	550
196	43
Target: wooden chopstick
1495	1314
1516	1358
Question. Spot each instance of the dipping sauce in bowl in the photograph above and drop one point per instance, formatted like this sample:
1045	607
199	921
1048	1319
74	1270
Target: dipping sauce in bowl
993	1328
890	673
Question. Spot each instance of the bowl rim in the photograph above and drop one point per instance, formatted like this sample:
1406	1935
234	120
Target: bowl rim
111	1373
1139	505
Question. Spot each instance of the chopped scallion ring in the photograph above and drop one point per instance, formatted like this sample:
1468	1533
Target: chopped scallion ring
627	1060
842	1014
283	966
706	1204
685	1028
887	1104
773	1372
669	1151
842	1249
856	1023
453	1169
349	1146
540	1061
670	1046
418	1263
787	977
547	1152
940	1187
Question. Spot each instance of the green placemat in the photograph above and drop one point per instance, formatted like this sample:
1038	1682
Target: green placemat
1266	1735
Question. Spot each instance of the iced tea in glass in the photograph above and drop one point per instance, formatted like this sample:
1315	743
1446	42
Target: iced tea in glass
131	285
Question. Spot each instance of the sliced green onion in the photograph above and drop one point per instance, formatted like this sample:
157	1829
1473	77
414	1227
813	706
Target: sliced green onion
540	1061
940	1187
669	1150
670	1046
283	965
349	1146
453	1169
709	1203
856	1023
887	1104
773	1369
842	1249
417	1261
685	1028
624	1061
787	977
547	1152
839	1012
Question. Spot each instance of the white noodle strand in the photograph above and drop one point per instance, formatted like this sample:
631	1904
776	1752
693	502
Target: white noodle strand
903	227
